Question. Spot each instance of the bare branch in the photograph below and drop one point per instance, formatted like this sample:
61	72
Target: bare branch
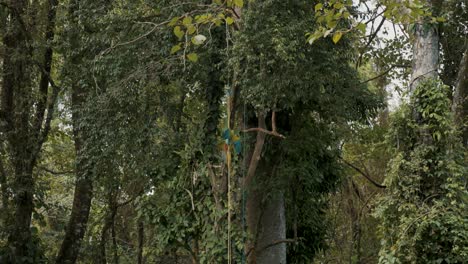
385	72
262	130
54	172
376	184
371	39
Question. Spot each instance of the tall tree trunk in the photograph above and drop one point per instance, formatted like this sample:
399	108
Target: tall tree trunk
83	193
266	220
425	54
141	241
4	188
355	256
460	98
78	220
114	239
102	256
425	49
425	64
17	104
271	241
81	205
13	124
108	224
253	201
83	187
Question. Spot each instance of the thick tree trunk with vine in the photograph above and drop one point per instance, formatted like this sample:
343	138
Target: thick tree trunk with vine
425	62
23	118
14	124
265	210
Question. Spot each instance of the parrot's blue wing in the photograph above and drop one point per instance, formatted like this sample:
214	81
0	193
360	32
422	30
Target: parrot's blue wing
238	147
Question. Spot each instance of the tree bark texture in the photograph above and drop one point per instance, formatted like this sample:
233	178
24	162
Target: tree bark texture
266	221
78	221
15	125
425	49
266	224
425	54
425	64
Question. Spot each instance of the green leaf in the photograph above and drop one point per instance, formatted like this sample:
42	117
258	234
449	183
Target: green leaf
338	5
187	21
217	22
229	20
191	29
318	7
178	32
337	36
239	3
362	27
332	24
175	48
311	39
173	21
192	57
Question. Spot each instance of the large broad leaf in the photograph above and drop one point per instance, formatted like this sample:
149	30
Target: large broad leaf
337	36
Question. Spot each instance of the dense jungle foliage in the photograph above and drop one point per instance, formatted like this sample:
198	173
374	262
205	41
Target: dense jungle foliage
234	131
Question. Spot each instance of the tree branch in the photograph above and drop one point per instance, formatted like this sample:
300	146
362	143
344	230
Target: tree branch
371	38
45	131
54	172
363	174
46	69
264	130
257	151
385	72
